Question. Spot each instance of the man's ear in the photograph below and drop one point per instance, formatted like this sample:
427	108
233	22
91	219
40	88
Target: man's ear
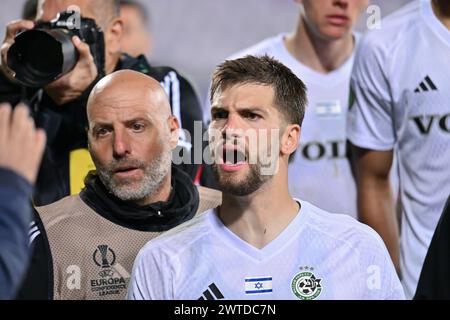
113	35
174	126
290	139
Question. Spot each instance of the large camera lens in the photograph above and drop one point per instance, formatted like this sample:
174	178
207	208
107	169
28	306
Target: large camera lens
40	56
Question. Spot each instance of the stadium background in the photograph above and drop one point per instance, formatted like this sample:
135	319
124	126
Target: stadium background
194	35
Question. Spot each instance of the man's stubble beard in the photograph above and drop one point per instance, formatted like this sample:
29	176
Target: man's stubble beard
150	184
245	186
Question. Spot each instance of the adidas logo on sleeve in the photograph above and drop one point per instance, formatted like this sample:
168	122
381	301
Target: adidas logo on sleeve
426	85
212	293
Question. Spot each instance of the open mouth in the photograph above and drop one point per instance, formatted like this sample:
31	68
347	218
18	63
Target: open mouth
126	171
233	159
233	156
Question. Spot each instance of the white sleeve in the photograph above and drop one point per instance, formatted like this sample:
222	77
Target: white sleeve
370	122
151	278
381	278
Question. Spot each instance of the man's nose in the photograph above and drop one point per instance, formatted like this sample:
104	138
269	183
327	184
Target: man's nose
121	144
233	123
341	3
234	128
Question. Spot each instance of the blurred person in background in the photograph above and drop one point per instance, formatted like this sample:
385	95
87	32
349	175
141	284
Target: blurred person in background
136	38
21	149
401	106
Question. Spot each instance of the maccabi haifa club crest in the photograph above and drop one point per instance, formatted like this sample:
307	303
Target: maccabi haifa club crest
305	285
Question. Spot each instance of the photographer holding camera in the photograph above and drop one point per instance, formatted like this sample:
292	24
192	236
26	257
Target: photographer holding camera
53	63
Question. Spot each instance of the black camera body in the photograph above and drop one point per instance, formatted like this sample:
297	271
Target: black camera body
45	53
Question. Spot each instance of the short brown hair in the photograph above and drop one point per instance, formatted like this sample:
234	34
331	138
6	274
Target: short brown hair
290	91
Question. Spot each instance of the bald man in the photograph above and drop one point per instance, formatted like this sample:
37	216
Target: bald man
88	242
60	107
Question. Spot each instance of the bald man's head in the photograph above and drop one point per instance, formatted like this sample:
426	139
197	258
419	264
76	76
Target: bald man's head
129	86
131	135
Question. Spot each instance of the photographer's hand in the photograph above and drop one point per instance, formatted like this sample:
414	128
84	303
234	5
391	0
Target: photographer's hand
12	29
73	84
21	144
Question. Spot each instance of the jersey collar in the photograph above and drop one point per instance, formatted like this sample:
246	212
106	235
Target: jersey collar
288	235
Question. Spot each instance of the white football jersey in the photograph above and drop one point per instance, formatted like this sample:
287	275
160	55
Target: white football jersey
402	103
319	172
317	256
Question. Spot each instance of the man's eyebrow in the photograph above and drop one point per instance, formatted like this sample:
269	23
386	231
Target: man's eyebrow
218	108
133	120
253	109
96	125
126	122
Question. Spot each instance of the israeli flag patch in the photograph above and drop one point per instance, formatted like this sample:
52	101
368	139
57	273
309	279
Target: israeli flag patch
328	108
258	285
